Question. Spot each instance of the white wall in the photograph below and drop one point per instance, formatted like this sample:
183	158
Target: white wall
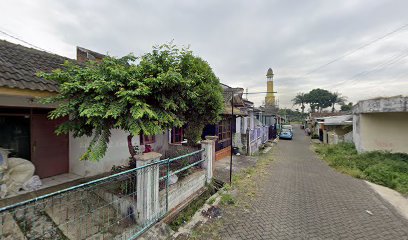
117	153
382	131
251	119
238	121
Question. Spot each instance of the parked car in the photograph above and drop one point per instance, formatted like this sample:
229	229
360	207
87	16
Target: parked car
286	134
287	127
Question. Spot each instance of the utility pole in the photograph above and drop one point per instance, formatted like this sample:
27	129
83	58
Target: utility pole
232	124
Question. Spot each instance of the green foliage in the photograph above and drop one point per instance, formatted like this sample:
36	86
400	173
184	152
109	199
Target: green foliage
315	136
211	200
157	91
300	99
385	168
206	102
318	99
336	98
227	199
346	107
292	116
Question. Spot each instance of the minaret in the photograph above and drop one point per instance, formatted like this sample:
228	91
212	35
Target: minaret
270	96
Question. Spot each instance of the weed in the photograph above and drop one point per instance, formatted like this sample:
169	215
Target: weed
384	168
211	200
227	199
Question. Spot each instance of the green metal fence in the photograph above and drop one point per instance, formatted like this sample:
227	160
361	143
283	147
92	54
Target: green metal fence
105	208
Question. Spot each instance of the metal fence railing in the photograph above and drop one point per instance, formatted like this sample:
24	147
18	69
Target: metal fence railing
100	209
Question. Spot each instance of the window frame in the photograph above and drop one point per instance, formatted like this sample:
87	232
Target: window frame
176	131
224	130
146	139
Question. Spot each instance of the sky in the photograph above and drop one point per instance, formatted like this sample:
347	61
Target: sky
353	47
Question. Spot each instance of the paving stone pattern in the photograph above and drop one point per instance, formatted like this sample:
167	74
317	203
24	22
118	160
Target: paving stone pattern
303	198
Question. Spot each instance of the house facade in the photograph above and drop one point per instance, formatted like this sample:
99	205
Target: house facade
27	132
315	123
231	118
337	129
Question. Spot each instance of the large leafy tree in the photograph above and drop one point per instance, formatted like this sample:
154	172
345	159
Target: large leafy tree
148	95
300	99
318	99
205	101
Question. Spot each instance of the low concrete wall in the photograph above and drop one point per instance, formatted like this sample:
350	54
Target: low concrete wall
182	190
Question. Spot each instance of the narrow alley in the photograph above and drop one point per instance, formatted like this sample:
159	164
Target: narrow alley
303	198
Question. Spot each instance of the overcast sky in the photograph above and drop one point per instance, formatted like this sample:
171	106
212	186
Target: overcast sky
239	39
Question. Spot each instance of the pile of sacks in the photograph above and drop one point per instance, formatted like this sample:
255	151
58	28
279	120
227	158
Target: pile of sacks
16	174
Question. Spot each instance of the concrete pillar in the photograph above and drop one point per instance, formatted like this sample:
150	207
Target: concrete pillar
248	134
209	154
148	204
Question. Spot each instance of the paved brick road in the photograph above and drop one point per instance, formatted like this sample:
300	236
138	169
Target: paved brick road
303	198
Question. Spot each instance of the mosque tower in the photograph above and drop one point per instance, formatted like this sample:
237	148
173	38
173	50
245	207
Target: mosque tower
270	100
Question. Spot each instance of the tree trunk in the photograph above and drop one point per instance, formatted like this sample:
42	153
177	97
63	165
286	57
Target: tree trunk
303	108
130	146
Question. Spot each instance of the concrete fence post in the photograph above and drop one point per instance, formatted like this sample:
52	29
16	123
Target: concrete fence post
248	133
148	204
209	155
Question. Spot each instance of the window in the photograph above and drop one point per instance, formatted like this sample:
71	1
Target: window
224	129
144	139
177	135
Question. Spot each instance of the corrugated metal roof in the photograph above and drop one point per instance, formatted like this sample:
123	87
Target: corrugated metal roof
19	65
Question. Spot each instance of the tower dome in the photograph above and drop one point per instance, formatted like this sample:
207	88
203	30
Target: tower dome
269	74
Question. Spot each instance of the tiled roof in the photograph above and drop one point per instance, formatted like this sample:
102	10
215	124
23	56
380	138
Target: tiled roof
19	65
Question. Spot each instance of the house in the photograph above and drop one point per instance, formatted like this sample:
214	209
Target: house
337	129
315	120
231	113
381	124
29	134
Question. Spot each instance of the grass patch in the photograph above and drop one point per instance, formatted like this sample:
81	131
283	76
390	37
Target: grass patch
211	201
384	168
227	199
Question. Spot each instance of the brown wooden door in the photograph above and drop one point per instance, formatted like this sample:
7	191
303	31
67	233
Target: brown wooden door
49	152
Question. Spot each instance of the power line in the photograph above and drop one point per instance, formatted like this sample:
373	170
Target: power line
21	40
358	49
393	60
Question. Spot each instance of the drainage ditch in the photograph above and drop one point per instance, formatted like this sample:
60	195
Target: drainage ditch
188	212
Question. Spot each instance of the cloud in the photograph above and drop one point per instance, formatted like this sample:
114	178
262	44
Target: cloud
240	39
